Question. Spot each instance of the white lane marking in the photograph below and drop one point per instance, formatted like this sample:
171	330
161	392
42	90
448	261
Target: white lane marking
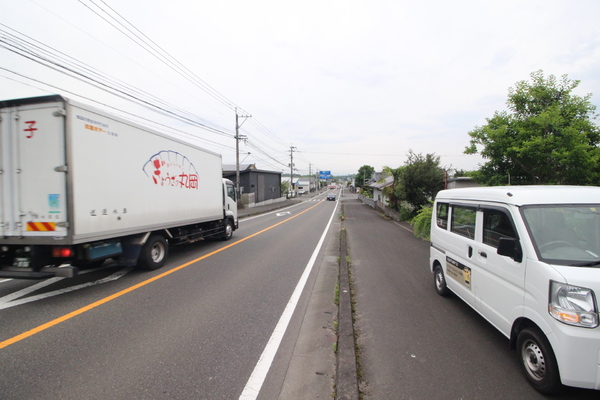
283	213
261	369
27	290
9	300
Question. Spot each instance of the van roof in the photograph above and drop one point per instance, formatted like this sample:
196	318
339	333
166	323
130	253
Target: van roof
522	195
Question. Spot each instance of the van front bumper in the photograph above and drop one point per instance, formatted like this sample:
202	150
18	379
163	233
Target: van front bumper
577	352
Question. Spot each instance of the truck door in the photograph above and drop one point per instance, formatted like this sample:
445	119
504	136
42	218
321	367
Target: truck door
230	200
33	179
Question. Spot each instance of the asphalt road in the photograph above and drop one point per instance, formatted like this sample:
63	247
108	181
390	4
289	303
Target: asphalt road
195	329
412	343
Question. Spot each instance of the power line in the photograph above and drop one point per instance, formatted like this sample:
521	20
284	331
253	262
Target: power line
153	48
115	109
51	58
60	62
122	54
158	52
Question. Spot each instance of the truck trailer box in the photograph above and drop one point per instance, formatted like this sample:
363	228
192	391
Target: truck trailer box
72	174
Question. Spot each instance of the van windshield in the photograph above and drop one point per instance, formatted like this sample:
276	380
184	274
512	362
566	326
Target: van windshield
565	234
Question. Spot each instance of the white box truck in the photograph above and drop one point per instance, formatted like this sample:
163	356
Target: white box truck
79	186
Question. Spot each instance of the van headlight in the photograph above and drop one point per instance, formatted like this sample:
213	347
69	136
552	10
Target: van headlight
573	305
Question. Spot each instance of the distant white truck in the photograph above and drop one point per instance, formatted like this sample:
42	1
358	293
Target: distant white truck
79	186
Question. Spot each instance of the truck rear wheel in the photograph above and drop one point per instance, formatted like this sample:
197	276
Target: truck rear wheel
154	253
228	230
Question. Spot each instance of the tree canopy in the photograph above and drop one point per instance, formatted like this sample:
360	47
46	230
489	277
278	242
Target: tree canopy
364	174
421	179
547	137
416	182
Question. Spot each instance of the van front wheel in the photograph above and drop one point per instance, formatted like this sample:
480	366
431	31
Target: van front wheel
537	361
440	281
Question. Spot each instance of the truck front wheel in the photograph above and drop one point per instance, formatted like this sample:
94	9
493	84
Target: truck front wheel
154	253
227	230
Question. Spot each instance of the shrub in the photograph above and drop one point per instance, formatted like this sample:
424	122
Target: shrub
422	222
406	211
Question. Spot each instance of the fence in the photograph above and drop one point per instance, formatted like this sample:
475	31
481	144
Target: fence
378	205
248	201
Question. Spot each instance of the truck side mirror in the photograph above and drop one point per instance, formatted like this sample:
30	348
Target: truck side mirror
510	247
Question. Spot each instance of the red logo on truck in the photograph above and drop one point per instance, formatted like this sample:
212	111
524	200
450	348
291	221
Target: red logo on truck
170	168
31	129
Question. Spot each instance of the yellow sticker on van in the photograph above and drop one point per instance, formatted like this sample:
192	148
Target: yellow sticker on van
459	272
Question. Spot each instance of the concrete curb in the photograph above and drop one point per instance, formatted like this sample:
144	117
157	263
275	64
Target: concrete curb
347	375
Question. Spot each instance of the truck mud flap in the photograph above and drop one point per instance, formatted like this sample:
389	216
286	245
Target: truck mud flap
131	248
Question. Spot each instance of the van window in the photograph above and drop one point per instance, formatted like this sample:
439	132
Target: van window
565	234
441	214
497	224
463	221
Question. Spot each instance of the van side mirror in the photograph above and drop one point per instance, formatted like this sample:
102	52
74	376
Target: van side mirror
510	247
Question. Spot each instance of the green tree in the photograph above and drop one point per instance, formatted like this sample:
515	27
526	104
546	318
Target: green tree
547	137
421	179
394	191
285	187
364	175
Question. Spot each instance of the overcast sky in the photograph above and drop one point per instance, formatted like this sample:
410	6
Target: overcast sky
343	83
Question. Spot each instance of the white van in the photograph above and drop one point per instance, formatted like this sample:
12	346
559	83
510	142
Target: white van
527	258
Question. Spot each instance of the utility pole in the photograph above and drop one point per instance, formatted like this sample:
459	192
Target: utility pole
237	149
309	176
292	148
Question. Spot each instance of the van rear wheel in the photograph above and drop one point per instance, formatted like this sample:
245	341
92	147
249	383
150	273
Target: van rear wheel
537	361
440	281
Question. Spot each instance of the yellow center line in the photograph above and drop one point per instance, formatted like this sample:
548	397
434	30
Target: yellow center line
75	313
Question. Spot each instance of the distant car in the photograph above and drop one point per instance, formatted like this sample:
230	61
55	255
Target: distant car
331	196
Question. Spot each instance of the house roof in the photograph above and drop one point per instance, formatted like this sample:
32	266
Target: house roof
298	180
243	167
382	183
229	169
